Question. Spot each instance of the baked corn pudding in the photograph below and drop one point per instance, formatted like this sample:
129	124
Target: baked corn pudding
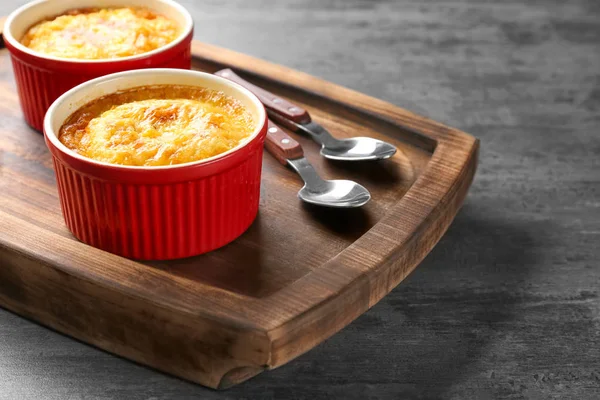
158	125
101	33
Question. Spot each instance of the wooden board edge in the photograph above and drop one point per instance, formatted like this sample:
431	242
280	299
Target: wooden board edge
331	315
193	349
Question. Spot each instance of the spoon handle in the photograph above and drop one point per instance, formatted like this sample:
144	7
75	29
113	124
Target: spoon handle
271	101
281	145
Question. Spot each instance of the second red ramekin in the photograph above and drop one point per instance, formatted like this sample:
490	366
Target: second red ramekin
41	78
161	212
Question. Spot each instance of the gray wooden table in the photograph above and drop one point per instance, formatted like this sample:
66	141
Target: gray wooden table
507	305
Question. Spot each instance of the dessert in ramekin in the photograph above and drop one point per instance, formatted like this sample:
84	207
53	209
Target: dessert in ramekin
95	42
175	208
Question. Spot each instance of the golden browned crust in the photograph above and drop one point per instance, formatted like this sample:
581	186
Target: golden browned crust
101	33
157	125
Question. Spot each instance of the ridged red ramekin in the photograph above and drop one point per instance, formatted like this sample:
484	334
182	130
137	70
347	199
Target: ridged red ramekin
41	78
161	212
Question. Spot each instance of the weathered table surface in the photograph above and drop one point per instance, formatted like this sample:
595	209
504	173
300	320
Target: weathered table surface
508	304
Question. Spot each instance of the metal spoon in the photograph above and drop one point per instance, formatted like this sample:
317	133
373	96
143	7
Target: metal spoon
297	119
328	193
352	149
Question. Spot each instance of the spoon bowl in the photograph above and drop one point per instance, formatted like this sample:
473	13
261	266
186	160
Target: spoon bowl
336	193
357	149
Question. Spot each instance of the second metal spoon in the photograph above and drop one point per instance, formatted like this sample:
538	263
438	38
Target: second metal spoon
328	193
352	149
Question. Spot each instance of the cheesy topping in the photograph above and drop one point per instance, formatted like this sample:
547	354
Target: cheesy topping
158	125
105	33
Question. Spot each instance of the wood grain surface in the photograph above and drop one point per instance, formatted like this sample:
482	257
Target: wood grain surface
507	305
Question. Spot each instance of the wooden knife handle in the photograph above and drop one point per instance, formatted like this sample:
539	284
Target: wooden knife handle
271	101
281	145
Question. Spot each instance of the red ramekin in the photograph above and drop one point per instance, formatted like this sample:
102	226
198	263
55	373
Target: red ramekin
42	78
161	212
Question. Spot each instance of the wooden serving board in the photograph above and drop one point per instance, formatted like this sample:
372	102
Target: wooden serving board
296	277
